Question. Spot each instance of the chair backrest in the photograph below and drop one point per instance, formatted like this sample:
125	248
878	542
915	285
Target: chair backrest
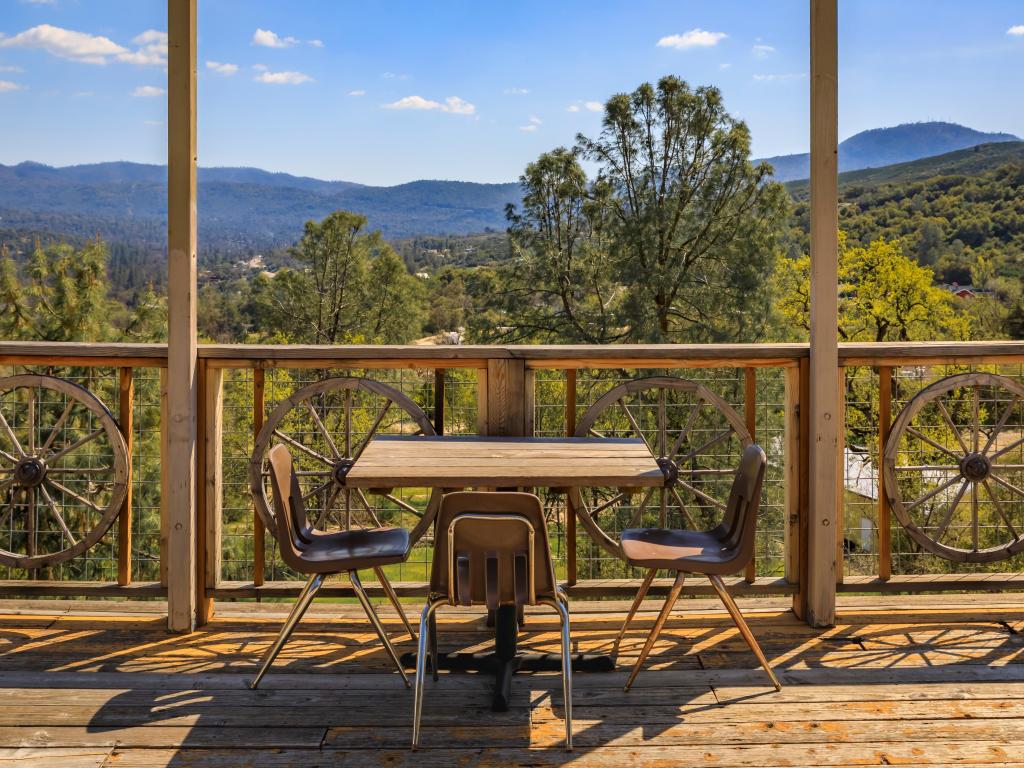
491	549
739	524
288	509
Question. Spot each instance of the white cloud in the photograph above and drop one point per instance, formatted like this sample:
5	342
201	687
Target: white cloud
775	78
152	49
594	106
357	92
572	108
725	65
393	76
535	120
222	68
453	105
40	2
269	39
315	43
7	85
762	51
11	69
148	91
281	78
66	43
695	38
1017	30
517	91
528	128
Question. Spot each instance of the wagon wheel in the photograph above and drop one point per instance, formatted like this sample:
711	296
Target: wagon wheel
326	426
693	434
63	470
954	467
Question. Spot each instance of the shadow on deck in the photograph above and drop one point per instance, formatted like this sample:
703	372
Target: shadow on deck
915	680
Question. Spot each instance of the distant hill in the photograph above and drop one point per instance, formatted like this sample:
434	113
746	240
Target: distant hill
964	162
240	208
886	146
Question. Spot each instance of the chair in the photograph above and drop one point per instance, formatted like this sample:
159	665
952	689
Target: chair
321	554
491	549
725	549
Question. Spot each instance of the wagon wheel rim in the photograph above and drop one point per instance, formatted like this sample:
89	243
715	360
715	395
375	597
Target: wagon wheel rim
969	508
331	445
63	470
684	430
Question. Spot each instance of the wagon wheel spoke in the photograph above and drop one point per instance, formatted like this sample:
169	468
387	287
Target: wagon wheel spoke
691	419
999	508
323	430
58	425
56	514
701	495
318	490
1007	485
403	504
31	421
1006	449
6	429
974	516
706	446
951	510
934	492
638	514
74	446
68	492
348	509
632	421
1000	424
348	431
952	427
5	484
682	506
921	436
366	505
305	449
7	457
662	426
373	431
79	470
976	423
328	506
10	507
31	524
610	503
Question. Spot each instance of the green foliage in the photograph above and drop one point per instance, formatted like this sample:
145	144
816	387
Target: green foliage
349	286
671	241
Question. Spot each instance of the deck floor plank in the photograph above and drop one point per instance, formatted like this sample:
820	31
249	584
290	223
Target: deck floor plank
936	685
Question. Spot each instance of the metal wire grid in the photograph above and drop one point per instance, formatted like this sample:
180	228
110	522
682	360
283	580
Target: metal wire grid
549	419
99	562
460	412
860	513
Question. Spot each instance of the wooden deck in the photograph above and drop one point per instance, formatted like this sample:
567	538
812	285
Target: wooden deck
923	681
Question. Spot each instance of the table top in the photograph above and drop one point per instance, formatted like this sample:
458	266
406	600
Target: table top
505	462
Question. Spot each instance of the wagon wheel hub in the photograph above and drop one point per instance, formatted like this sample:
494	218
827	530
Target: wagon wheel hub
30	472
669	469
975	467
341	470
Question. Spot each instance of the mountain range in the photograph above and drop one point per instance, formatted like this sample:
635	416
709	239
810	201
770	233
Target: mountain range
888	146
245	209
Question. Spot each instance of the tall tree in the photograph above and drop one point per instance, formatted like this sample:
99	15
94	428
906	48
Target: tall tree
674	238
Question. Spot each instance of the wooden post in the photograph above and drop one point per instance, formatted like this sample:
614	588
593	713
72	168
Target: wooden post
826	429
182	387
750	415
126	407
210	488
164	477
570	513
841	475
507	398
884	425
259	536
439	400
791	480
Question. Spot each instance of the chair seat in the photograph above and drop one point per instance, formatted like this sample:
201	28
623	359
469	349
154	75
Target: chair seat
355	550
689	551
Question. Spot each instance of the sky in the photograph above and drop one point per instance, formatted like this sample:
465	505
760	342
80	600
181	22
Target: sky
388	92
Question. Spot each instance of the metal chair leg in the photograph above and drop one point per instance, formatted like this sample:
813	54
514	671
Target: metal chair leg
666	609
640	595
432	641
563	615
305	598
741	624
357	585
390	592
421	668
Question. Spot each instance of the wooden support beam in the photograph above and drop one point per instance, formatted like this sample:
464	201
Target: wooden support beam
750	419
507	398
210	489
182	386
884	426
259	531
126	408
824	411
570	513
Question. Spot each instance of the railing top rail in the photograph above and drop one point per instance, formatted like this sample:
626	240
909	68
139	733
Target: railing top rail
536	355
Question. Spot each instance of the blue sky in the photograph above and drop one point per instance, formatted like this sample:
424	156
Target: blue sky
383	93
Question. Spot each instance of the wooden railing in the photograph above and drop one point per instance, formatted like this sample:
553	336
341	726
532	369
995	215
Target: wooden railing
505	382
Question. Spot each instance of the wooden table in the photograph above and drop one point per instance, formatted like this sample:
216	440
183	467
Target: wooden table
505	462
